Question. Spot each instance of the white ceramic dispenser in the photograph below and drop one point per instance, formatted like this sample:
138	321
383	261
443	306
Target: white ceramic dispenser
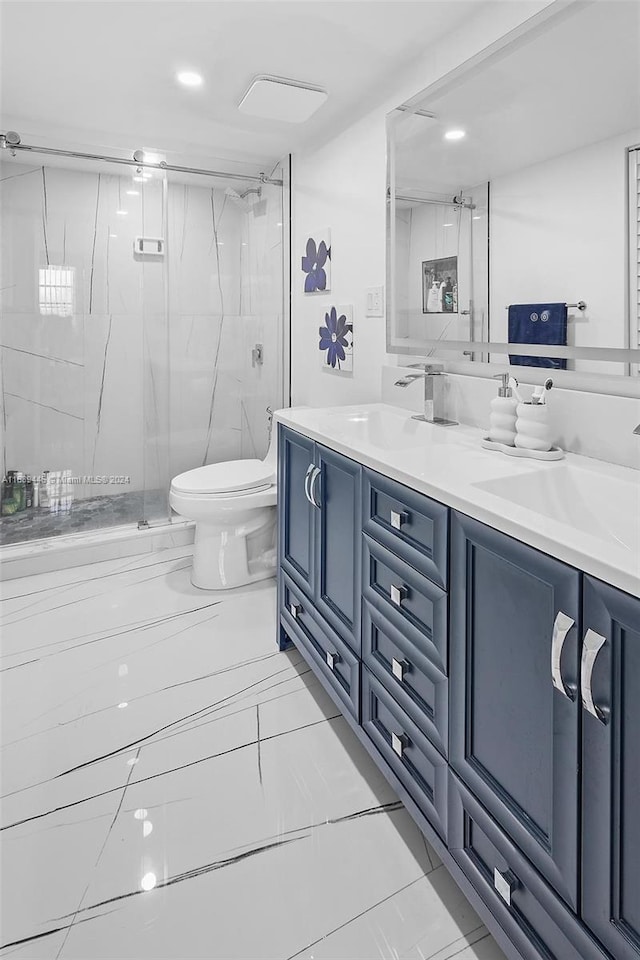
502	424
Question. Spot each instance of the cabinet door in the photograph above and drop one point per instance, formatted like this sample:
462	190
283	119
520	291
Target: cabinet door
296	514
611	769
513	734
337	490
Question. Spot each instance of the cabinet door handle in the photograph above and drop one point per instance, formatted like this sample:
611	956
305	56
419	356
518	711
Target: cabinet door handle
307	477
561	626
399	743
398	517
332	659
312	487
398	594
591	646
295	609
399	668
505	883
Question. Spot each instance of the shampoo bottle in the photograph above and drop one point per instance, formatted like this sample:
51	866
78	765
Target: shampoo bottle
502	425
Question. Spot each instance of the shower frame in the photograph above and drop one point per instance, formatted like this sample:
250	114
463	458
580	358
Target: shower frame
11	141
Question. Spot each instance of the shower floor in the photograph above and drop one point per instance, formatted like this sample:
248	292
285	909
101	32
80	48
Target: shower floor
92	513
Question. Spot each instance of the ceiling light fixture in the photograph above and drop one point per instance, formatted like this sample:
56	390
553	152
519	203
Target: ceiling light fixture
455	135
133	193
188	78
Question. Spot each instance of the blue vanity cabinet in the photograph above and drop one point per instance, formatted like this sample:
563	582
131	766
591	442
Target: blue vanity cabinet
337	543
296	518
319	530
610	690
514	735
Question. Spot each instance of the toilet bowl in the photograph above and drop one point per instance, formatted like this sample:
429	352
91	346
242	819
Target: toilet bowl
233	505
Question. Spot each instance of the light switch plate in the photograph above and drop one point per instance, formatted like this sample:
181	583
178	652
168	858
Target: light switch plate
375	302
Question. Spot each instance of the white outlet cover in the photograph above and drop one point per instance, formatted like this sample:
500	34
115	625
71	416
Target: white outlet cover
375	302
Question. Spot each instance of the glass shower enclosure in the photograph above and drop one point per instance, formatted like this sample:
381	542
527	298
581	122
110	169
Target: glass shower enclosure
142	334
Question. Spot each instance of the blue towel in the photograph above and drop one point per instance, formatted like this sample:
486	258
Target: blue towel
538	323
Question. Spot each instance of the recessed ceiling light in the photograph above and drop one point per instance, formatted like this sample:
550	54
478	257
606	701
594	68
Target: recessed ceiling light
133	193
477	217
276	98
455	135
188	78
447	224
122	213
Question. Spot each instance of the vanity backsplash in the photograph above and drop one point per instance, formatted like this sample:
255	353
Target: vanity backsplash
591	424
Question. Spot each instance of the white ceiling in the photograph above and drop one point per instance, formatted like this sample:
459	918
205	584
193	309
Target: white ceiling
574	83
101	72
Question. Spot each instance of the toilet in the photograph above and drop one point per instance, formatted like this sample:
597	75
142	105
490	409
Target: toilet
234	508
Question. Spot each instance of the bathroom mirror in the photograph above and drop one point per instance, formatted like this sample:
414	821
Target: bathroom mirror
515	181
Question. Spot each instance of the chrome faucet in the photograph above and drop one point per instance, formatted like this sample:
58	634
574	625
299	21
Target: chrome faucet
433	392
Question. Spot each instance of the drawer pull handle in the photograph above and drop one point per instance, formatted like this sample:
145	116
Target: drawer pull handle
561	626
295	609
399	668
398	517
591	647
505	883
399	743
398	594
332	659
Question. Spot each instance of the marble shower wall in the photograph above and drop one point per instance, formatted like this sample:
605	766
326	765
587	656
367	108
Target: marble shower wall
145	370
225	296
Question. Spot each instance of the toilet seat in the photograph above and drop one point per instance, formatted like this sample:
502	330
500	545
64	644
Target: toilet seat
222	479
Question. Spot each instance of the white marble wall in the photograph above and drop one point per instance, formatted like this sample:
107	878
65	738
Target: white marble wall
151	373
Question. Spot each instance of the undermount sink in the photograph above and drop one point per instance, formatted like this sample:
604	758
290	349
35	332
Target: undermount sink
602	507
386	429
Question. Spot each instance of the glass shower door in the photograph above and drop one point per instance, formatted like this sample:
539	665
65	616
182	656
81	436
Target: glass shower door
83	357
225	308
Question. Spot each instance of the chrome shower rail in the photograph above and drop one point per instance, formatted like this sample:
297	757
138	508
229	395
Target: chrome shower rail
439	203
11	141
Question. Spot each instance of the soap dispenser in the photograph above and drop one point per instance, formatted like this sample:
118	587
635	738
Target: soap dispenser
502	425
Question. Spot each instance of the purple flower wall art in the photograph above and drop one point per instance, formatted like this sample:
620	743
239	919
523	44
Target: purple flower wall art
316	263
336	339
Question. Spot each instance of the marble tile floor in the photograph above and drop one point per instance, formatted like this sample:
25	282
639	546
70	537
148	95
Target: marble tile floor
173	787
91	513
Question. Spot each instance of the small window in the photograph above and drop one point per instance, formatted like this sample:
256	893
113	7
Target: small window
56	287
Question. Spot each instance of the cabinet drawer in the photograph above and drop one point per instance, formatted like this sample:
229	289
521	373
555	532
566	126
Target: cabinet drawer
414	760
533	916
408	675
330	656
409	524
415	605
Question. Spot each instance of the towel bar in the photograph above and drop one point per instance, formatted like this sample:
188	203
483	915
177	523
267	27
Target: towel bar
581	305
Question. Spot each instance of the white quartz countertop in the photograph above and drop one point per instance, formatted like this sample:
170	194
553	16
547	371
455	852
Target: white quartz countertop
582	511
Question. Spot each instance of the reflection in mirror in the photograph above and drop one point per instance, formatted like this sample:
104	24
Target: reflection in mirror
513	191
